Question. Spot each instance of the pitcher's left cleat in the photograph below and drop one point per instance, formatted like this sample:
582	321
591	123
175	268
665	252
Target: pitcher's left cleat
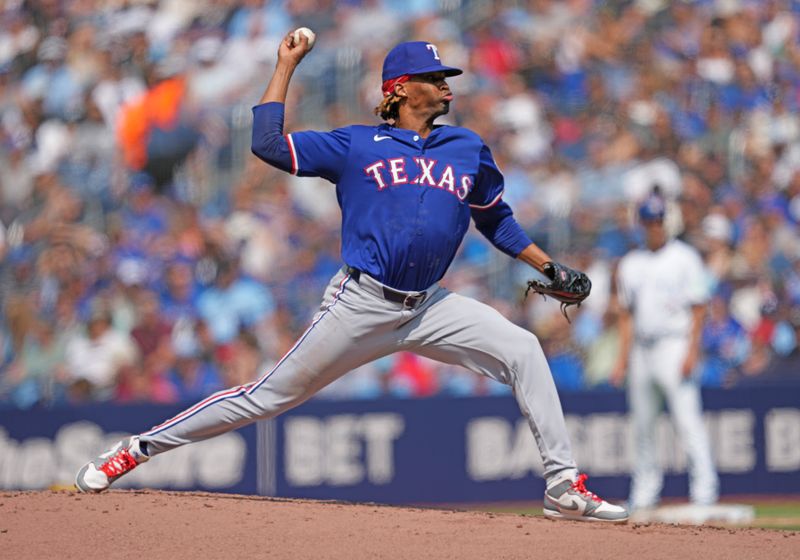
571	500
98	474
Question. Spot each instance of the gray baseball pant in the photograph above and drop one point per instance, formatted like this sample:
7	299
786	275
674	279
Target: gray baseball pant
356	324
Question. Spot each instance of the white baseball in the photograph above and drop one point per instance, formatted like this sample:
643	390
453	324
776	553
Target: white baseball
308	33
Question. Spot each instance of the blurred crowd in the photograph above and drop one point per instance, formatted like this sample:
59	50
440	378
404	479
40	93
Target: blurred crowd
145	255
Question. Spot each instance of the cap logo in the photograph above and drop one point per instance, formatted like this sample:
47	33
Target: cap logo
415	57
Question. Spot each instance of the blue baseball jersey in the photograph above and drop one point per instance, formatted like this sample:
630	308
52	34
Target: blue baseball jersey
406	201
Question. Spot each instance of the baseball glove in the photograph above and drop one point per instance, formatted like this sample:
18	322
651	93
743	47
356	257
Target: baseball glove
568	286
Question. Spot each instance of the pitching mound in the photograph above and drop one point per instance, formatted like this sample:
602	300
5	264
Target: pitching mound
176	526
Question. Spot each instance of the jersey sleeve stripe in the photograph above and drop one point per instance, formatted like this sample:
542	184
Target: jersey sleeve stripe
293	153
487	206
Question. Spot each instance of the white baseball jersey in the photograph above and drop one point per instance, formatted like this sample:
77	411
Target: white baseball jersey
660	287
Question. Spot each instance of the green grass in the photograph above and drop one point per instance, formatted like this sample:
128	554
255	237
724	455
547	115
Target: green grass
778	515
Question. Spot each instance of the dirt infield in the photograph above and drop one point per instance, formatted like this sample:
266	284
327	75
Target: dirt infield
177	526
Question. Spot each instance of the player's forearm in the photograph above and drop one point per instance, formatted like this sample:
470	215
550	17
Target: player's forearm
534	256
696	333
625	340
279	83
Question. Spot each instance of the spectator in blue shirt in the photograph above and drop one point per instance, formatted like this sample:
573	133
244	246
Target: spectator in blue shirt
232	302
725	344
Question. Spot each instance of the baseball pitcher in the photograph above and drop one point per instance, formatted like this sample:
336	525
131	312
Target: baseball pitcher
407	190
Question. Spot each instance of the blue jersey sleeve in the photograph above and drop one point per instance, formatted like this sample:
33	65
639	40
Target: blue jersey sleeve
320	154
497	224
493	217
268	142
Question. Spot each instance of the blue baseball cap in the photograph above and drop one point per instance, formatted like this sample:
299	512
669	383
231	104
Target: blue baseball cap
653	208
415	57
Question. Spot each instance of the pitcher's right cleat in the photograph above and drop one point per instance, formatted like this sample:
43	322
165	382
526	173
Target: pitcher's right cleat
571	500
98	474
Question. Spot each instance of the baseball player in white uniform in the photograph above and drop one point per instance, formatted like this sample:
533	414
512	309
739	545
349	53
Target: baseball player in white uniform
663	290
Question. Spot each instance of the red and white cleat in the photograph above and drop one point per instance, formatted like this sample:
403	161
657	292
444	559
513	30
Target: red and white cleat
569	499
98	474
